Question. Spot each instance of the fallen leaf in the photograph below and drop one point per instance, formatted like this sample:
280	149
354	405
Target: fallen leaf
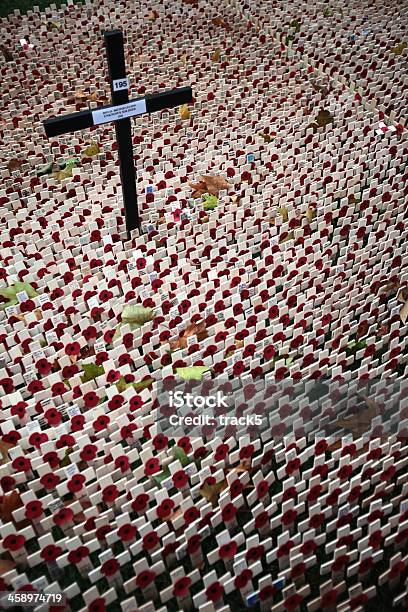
195	329
399	49
6	53
219	21
283	213
92	149
136	315
210	202
215	184
323	118
14	164
295	25
184	112
209	184
91	371
192	373
153	15
359	423
183	59
267	137
216	55
4	449
310	214
8	504
49	168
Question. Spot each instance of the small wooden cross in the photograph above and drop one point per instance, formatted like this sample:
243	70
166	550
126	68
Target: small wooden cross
120	112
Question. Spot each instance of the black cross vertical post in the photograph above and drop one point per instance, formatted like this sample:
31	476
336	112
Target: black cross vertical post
117	74
120	112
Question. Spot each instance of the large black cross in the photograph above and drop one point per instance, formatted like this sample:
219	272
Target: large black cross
120	112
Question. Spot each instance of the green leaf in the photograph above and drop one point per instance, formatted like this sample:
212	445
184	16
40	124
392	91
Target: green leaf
30	291
143	384
65	461
180	454
210	201
137	315
91	371
295	25
192	373
163	475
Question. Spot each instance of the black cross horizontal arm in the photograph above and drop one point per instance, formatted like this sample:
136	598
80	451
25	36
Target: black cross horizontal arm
84	119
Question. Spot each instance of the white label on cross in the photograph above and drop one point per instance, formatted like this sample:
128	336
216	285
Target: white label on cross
115	113
120	84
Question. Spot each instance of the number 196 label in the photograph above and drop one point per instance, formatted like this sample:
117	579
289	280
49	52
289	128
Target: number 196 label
120	84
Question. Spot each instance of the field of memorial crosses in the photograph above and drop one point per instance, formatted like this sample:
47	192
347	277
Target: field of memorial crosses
273	248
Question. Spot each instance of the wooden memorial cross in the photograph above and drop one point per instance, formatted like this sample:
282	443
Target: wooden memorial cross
120	112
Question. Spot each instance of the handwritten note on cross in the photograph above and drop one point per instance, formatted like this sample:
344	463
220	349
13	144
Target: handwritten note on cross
121	110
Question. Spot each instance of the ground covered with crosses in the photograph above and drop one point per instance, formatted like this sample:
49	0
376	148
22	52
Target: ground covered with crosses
274	250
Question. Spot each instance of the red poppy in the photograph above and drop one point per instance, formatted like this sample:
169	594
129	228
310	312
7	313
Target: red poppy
228	513
285	549
365	565
165	508
63	516
293	602
193	544
359	601
180	479
333	497
76	483
103	531
308	547
33	509
191	515
242	580
88	453
50	480
214	592
127	532
236	488
21	464
345	472
185	444
145	578
73	349
181	587
52	459
266	593
292	466
110	494
101	423
122	462
43	366
262	488
160	442
261	519
150	540
53	416
13	542
298	570
139	504
110	567
227	551
340	563
50	553
152	466
78	554
316	520
91	400
329	599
